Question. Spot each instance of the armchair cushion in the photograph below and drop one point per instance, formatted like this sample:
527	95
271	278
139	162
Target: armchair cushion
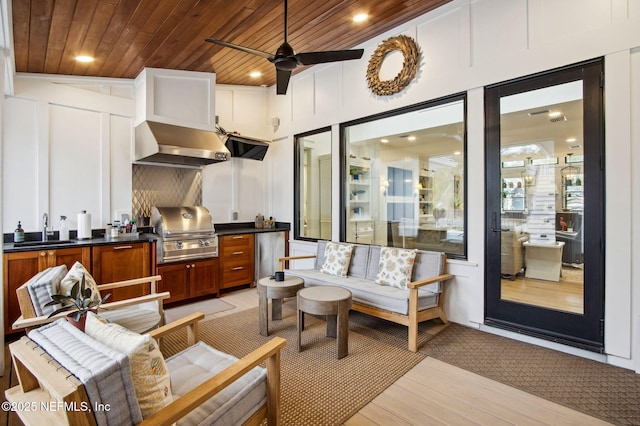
150	376
105	372
75	275
42	286
234	404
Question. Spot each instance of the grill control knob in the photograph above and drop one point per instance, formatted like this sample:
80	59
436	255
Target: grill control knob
179	245
204	243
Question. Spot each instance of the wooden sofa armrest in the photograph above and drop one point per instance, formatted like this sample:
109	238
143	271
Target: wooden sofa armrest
270	351
281	260
22	322
430	280
128	283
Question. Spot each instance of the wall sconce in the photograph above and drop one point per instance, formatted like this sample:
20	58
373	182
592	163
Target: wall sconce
384	184
275	123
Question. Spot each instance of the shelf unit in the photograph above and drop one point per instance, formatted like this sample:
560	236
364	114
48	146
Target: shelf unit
572	189
359	222
426	198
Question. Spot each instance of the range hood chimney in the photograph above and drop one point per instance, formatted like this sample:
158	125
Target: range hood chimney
168	144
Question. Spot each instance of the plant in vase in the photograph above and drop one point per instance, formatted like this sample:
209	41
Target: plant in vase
81	299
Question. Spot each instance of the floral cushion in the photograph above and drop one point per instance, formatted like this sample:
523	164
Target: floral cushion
149	372
336	259
75	276
395	266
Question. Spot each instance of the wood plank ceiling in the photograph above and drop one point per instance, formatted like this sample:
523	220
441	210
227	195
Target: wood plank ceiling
124	36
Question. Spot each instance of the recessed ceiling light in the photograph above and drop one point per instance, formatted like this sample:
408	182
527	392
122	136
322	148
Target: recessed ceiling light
84	58
255	74
360	17
412	138
570	140
457	153
555	114
384	140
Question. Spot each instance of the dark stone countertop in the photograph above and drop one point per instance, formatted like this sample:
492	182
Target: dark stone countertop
147	235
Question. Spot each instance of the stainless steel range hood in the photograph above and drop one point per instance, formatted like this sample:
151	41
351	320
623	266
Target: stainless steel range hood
176	145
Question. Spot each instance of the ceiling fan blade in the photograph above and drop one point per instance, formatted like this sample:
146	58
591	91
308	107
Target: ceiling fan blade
241	48
282	81
311	58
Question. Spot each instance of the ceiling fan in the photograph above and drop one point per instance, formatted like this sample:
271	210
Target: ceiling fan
286	60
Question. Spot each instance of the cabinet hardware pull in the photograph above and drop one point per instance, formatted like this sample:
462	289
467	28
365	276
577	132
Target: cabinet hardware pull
122	247
237	237
237	268
235	253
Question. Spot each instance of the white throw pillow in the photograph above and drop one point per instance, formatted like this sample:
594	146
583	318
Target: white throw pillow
75	275
151	379
336	259
395	266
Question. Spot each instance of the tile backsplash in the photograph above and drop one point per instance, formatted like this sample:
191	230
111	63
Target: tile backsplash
164	187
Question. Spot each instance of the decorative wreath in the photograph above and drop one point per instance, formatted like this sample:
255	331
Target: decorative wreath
411	55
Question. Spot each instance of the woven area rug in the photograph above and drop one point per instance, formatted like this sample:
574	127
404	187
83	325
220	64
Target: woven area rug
317	388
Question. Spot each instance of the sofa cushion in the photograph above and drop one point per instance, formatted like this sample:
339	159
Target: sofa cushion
151	379
75	276
337	258
368	292
104	372
395	266
429	264
231	406
42	286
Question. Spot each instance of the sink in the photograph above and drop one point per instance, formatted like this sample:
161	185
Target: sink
42	243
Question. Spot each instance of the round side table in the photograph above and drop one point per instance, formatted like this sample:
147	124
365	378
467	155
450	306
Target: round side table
334	302
276	291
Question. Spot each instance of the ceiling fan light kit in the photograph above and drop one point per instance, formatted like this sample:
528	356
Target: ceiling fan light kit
286	60
411	54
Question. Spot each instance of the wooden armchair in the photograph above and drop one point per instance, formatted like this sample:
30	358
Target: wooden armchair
43	382
139	314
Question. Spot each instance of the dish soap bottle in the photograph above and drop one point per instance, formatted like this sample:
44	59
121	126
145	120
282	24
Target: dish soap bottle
18	234
64	229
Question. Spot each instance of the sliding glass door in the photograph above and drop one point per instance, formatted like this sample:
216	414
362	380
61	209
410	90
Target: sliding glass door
545	197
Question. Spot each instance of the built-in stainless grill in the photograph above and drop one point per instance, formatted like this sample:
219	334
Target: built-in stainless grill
184	233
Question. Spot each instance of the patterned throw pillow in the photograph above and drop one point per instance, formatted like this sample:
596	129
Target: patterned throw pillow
75	275
336	259
150	376
395	266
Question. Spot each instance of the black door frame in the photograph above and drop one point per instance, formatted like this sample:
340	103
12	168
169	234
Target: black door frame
585	331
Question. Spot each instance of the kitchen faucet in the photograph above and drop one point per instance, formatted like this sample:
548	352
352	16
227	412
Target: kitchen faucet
45	226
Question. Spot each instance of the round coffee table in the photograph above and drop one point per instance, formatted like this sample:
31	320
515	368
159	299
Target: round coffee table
334	302
276	291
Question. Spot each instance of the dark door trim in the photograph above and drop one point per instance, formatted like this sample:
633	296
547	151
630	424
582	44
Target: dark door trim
585	331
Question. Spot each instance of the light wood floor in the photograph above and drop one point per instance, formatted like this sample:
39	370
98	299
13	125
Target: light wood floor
566	295
433	393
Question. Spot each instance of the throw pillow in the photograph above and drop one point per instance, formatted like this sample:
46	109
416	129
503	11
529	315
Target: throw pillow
75	275
336	259
150	376
43	286
395	266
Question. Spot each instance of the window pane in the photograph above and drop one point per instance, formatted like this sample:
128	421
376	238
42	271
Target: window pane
313	209
405	184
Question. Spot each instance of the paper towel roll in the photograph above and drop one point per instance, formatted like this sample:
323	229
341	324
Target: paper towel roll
84	225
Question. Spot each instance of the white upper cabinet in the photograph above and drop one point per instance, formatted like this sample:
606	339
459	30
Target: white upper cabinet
181	98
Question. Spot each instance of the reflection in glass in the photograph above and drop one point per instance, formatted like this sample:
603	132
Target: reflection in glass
314	186
542	257
405	180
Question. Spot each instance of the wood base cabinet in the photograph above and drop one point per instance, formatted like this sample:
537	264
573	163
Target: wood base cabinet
236	260
119	262
188	279
20	267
